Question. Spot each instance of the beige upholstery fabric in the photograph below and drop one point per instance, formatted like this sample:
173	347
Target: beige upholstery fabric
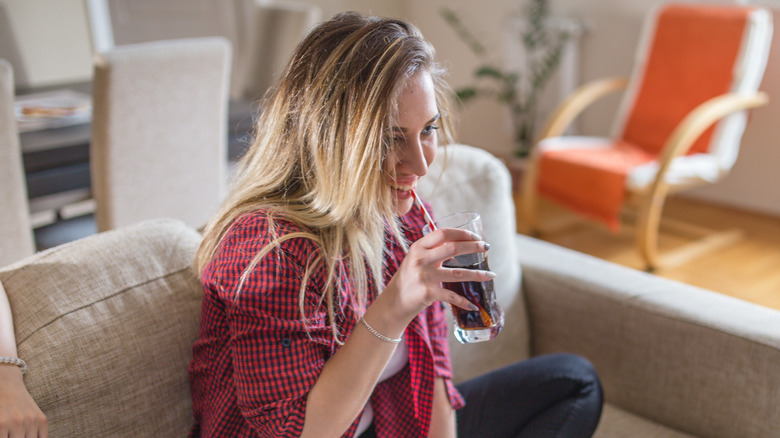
16	238
468	178
617	423
159	131
106	325
688	358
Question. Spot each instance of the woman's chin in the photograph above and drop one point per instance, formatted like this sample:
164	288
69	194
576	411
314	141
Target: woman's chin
403	202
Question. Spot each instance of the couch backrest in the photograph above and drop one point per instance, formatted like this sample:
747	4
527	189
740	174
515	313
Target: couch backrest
106	325
468	178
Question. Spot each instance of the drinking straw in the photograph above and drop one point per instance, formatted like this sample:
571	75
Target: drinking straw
428	218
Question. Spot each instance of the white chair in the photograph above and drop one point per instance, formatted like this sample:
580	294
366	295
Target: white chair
263	33
16	236
159	131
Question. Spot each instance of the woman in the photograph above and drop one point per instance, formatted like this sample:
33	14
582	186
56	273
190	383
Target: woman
323	311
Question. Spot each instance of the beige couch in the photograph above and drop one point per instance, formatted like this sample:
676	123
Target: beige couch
106	325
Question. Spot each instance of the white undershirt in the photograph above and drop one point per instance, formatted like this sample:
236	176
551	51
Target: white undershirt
396	363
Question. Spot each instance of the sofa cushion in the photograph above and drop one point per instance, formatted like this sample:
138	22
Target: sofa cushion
106	325
468	178
618	423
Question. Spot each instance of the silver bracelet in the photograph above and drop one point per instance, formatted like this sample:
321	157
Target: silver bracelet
377	334
15	361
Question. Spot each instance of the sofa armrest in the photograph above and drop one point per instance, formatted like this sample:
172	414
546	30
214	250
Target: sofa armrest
698	361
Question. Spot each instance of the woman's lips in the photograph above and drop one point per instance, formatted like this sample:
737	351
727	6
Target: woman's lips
402	187
403	191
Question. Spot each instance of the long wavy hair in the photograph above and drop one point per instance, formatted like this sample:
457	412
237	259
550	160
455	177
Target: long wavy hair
319	154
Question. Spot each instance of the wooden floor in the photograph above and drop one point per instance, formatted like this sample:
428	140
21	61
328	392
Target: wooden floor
749	269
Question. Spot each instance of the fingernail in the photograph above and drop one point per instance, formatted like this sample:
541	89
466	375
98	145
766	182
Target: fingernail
472	307
490	274
487	246
475	235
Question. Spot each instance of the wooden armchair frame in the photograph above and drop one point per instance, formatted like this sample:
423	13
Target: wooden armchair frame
649	202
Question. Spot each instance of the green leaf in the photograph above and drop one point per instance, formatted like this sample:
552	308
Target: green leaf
465	94
489	71
506	96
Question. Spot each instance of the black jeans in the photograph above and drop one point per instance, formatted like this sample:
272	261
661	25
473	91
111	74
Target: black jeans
557	395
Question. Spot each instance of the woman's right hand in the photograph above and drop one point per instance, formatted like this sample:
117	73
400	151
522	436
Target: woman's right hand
417	283
19	415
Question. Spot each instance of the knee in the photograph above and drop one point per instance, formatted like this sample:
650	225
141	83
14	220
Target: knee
577	368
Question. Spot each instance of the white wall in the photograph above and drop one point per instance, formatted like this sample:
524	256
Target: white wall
388	8
54	46
46	41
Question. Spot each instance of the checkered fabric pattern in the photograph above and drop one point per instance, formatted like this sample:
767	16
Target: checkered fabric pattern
255	359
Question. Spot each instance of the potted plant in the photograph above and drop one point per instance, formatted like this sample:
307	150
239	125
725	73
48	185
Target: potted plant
519	89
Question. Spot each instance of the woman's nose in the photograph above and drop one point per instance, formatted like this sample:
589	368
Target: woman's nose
413	158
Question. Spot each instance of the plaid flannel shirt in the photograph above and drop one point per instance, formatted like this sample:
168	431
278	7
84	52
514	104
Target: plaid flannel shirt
255	360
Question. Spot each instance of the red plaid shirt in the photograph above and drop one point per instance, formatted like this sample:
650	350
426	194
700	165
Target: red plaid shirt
255	361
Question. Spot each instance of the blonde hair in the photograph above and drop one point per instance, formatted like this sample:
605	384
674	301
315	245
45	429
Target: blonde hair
321	142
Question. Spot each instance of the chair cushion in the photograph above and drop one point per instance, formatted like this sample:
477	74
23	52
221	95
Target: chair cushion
468	178
592	174
588	176
106	325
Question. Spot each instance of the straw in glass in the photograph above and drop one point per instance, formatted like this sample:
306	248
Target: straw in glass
428	218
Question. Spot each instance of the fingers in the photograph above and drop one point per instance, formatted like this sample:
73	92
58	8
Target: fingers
454	249
444	235
418	281
43	427
446	243
33	428
453	275
20	416
43	432
454	299
36	427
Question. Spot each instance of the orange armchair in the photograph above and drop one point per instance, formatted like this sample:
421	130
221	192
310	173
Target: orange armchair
680	123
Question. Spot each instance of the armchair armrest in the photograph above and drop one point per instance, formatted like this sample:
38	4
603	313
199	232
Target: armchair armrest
575	104
701	362
678	144
698	120
693	125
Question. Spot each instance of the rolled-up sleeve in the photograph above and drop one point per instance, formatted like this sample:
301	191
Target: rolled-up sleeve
276	357
439	330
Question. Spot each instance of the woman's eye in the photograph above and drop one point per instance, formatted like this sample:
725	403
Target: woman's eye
429	129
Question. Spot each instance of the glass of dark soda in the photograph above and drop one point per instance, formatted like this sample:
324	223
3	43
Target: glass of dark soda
483	324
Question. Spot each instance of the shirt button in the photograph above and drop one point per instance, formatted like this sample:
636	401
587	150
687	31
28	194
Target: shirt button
286	342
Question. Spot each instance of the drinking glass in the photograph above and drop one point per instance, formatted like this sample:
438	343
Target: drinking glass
485	323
